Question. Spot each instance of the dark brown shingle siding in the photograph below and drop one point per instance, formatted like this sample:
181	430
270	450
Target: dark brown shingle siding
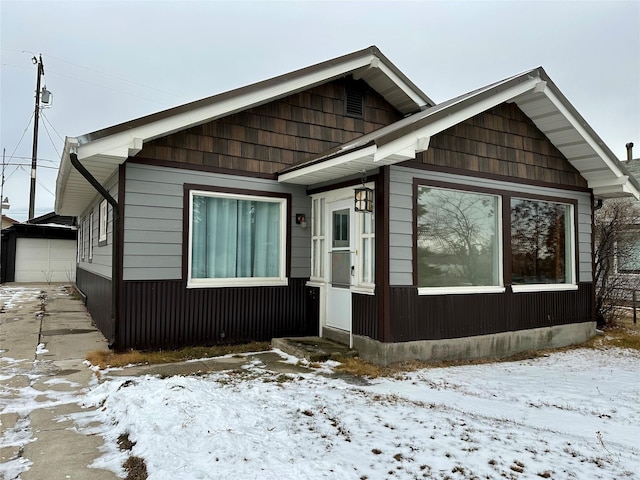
501	141
271	137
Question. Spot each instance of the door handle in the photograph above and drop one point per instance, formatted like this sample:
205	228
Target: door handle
353	269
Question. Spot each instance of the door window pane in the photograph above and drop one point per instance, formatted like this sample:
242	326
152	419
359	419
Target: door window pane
341	228
458	238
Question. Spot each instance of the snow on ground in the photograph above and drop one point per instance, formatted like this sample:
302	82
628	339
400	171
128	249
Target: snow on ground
14	297
571	415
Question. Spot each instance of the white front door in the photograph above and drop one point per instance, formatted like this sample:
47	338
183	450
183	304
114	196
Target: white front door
341	264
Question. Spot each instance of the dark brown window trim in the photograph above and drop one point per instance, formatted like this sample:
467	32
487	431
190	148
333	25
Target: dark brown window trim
491	176
200	168
506	196
188	187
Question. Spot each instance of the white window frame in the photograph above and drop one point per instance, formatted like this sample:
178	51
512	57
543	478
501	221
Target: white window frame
318	238
91	237
103	221
461	290
570	262
362	284
240	281
79	240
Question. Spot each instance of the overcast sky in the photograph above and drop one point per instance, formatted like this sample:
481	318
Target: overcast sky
108	62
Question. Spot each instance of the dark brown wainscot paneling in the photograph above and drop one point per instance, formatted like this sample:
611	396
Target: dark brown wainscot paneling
98	292
165	314
365	315
501	142
276	135
435	317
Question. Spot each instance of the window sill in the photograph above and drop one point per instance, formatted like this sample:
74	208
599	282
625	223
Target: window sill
544	287
458	290
316	283
364	290
236	282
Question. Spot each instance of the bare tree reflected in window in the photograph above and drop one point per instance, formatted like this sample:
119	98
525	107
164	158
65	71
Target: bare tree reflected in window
457	234
538	241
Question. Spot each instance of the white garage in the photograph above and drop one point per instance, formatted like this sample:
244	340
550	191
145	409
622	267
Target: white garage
45	260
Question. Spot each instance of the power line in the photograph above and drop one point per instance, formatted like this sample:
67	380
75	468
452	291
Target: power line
51	125
147	87
44	124
23	134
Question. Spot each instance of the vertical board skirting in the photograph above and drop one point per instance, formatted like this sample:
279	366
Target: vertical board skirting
164	314
427	317
98	292
365	315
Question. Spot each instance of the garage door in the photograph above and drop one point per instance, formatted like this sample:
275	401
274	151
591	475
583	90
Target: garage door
45	260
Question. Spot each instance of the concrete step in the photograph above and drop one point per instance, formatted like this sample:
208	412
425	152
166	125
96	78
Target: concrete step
313	349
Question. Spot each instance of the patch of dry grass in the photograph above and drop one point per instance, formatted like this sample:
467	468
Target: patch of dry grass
105	359
136	468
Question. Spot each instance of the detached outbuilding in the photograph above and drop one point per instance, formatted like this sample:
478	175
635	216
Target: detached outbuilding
42	250
339	200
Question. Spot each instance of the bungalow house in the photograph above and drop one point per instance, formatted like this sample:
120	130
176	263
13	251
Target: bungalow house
340	200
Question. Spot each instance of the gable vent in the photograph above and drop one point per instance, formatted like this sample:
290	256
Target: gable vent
354	100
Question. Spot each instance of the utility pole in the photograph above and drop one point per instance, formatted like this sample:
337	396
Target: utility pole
34	155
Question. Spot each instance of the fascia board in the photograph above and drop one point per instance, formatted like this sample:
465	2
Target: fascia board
473	108
326	164
64	171
119	143
405	146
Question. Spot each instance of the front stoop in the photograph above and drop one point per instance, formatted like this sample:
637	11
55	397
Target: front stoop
313	349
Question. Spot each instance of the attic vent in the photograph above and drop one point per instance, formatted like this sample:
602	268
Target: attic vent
354	100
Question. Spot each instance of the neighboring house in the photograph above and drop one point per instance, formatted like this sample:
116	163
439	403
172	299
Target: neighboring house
7	222
235	218
618	259
40	250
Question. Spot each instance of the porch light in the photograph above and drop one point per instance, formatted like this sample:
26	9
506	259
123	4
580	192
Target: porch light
364	199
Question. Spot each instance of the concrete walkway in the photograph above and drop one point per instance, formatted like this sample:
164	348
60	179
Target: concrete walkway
45	334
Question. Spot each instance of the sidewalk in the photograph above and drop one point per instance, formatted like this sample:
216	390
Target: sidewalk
40	385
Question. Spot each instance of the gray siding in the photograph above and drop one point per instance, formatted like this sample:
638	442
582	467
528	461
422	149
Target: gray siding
100	264
401	213
154	201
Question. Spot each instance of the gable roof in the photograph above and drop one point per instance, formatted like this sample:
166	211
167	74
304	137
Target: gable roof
534	93
102	151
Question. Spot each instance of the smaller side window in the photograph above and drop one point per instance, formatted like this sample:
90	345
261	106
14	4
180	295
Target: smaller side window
102	226
80	239
91	237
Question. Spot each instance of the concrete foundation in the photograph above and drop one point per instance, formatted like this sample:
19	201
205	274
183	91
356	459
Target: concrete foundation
498	345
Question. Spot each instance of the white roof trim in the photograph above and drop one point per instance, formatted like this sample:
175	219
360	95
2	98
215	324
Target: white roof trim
106	149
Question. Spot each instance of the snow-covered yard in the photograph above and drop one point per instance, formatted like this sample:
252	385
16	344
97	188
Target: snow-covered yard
569	415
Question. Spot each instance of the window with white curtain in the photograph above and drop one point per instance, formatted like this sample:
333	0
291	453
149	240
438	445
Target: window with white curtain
236	240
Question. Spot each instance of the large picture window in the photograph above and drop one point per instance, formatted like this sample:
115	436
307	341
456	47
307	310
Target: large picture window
236	240
541	242
462	245
458	242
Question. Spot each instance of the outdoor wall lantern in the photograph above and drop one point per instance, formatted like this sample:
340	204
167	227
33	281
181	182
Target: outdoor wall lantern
364	199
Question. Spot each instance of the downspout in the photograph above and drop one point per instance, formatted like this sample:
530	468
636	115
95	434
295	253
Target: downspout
115	249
